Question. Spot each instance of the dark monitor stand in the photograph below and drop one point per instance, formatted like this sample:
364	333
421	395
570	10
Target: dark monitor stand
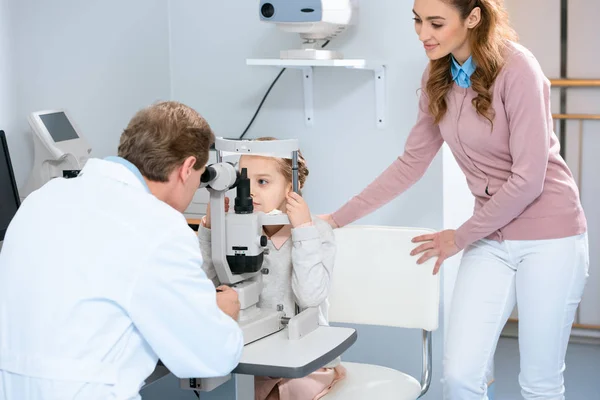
9	194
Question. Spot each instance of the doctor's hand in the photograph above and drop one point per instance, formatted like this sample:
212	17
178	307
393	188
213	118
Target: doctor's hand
329	219
228	302
440	244
297	210
206	218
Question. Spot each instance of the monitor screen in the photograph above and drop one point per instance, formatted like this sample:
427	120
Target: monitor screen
58	126
9	195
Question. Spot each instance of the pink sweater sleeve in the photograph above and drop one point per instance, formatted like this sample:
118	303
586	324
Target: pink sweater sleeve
423	143
527	105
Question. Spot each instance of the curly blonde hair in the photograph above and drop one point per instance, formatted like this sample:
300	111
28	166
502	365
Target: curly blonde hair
285	165
487	41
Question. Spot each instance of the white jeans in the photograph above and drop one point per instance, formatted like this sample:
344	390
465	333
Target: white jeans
546	279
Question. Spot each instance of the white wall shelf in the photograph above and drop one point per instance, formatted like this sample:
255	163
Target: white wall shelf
307	67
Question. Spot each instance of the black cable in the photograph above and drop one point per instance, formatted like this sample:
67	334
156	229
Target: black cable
266	95
262	102
197	394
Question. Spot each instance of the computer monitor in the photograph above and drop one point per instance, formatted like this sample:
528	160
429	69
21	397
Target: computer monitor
59	150
9	195
55	129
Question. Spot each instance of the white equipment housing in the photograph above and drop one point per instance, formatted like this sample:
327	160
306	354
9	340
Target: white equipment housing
59	149
314	20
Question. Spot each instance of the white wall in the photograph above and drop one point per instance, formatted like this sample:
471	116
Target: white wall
105	60
584	62
540	32
529	22
7	81
100	60
458	207
531	25
344	149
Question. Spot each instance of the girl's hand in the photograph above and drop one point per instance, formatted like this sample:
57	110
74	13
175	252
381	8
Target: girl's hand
440	244
297	210
206	219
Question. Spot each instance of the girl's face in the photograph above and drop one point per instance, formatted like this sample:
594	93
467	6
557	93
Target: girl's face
442	30
268	186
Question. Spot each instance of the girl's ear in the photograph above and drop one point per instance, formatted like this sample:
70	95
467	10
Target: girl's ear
288	188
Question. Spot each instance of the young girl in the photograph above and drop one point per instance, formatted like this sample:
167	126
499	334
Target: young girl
297	268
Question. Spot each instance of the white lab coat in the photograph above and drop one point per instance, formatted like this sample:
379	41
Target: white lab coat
98	280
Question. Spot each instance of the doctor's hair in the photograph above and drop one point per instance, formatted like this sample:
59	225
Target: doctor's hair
488	42
159	138
285	165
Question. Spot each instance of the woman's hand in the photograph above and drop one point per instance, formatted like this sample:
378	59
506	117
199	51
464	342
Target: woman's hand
440	244
297	210
329	219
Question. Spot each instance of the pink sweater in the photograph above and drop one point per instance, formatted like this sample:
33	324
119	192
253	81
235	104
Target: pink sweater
523	188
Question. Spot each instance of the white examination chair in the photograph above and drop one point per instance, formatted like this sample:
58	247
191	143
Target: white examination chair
377	282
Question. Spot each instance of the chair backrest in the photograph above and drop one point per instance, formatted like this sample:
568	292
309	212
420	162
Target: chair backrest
377	282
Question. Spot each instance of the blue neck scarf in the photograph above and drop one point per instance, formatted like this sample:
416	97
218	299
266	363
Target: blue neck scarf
461	74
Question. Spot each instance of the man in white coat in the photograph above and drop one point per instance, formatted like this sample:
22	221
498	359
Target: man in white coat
100	275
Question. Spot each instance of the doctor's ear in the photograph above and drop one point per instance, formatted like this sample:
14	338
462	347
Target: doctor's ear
187	168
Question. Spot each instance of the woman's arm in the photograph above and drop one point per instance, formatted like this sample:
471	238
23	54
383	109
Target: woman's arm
527	105
423	143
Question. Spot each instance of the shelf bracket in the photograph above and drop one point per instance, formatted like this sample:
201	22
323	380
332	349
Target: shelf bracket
379	76
307	81
307	67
